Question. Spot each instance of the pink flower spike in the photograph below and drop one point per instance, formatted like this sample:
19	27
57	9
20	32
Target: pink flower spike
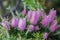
45	21
53	26
45	35
22	24
52	14
14	22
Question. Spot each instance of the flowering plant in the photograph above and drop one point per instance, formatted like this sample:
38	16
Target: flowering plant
33	22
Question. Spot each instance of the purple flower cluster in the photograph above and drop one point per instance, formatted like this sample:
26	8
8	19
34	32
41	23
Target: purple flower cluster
49	18
5	24
33	18
33	28
21	24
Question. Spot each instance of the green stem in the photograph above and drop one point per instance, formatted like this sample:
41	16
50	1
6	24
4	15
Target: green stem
7	34
1	17
26	33
20	38
24	5
12	13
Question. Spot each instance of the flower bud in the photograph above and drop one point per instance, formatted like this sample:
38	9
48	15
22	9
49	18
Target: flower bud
14	22
22	24
52	14
45	21
23	12
45	35
31	28
53	26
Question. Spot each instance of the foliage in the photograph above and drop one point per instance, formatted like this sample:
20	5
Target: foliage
14	33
